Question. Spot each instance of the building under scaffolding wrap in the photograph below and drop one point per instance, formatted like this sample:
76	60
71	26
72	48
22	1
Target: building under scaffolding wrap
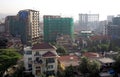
55	26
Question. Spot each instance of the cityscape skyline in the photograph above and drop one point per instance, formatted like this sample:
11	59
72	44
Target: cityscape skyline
69	8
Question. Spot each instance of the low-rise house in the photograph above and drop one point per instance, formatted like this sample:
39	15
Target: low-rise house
41	59
65	41
68	60
106	63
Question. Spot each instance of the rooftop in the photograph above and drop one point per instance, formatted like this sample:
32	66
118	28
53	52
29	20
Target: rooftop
99	37
106	60
91	54
49	54
28	10
86	31
68	60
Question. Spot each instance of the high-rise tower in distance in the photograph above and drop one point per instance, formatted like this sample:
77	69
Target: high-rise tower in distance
88	21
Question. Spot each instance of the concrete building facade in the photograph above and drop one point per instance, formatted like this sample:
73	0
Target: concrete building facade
88	21
25	25
2	28
41	59
113	29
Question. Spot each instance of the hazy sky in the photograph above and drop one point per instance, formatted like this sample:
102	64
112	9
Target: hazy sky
63	7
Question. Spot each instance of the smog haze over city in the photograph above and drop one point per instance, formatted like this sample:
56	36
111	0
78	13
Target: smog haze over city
59	38
63	7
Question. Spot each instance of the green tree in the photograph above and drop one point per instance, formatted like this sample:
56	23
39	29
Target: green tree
60	72
104	47
94	68
93	49
84	50
117	64
61	50
89	67
83	66
69	71
8	57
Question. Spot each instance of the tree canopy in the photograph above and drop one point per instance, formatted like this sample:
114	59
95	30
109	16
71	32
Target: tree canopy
69	71
90	67
117	63
8	57
61	50
94	68
84	63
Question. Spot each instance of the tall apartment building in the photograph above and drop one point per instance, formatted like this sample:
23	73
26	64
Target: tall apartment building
88	21
110	18
114	31
9	23
41	59
25	25
102	29
56	25
114	28
2	27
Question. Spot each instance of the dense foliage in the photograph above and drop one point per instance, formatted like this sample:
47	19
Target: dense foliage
89	67
61	51
8	57
117	63
69	72
94	68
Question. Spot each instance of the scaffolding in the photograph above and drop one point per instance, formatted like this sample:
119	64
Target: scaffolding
57	26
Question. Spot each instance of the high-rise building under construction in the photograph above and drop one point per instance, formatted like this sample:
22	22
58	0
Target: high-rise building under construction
25	25
55	26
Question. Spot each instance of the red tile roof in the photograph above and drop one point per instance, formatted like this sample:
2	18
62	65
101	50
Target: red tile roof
91	54
68	60
9	44
49	54
100	37
43	46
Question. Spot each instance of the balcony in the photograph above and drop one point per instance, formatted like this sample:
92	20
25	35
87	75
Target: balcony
50	60
38	60
37	54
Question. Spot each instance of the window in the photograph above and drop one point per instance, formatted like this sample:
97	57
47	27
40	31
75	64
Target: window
30	65
50	66
29	59
28	52
50	72
38	67
38	60
50	60
38	72
37	54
